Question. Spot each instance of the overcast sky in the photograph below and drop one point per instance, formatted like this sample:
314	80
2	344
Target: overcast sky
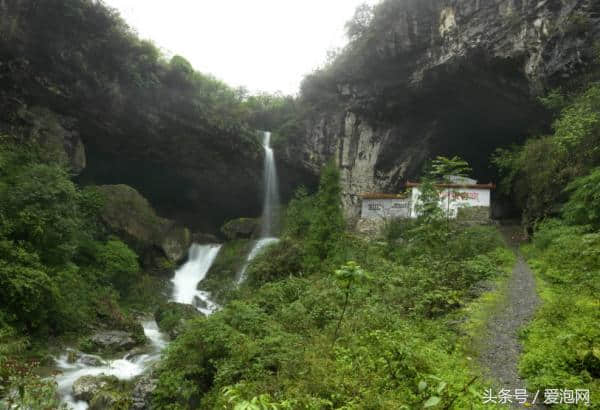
264	45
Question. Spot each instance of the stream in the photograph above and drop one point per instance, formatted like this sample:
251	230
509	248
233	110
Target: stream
137	361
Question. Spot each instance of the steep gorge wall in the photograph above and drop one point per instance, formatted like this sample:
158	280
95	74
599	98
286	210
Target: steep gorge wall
434	77
72	73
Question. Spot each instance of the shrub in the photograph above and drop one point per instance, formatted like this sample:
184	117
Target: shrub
278	261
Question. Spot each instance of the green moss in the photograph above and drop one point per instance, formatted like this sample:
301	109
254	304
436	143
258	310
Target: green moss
171	317
220	279
128	212
241	228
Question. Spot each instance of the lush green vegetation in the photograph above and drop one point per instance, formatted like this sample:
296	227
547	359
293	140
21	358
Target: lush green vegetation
60	272
562	344
372	325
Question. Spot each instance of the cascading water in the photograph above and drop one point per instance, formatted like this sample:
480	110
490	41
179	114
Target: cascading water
187	278
270	215
126	368
185	283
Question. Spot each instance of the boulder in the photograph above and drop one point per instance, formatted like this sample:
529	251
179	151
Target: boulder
170	317
128	214
86	387
241	228
142	393
104	400
111	341
175	243
90	360
204	238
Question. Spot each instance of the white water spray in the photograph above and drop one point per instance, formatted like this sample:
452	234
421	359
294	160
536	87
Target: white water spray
187	278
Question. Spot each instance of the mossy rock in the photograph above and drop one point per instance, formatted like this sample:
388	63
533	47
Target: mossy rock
241	228
128	214
221	278
110	400
171	317
111	342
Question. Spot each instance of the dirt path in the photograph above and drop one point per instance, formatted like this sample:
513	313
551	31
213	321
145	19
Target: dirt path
501	347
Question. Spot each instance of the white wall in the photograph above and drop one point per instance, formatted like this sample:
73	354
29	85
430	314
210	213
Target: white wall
385	208
460	197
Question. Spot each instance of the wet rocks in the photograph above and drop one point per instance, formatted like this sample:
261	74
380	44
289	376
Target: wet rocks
110	341
86	387
241	228
142	392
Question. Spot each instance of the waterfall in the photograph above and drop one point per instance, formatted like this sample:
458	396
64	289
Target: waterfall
131	365
270	215
186	279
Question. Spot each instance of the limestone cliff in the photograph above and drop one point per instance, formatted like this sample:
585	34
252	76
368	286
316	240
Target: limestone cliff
441	77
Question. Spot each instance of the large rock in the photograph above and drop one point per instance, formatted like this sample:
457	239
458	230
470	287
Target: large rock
241	228
105	400
142	393
111	341
127	213
86	387
434	77
171	317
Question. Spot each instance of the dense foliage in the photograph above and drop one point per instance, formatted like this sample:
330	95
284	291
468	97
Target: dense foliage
374	331
537	173
59	271
562	343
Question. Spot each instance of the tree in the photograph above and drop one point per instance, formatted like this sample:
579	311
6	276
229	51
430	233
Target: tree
583	206
327	224
361	21
442	168
347	276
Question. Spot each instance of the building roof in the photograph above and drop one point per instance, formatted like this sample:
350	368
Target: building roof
383	196
469	186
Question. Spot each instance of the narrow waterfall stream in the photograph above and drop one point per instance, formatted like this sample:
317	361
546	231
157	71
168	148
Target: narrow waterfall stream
270	215
132	364
271	207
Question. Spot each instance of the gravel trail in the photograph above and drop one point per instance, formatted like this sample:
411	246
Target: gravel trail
501	348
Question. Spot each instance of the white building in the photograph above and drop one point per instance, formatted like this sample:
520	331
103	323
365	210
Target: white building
461	196
455	196
385	206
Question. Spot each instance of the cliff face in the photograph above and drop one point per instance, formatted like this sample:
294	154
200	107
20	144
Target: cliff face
75	78
433	77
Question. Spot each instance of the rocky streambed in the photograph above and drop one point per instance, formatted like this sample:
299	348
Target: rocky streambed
98	383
